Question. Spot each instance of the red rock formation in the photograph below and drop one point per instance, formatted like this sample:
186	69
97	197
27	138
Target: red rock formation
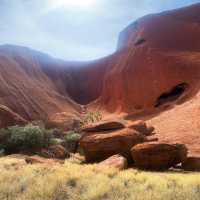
158	156
101	145
28	89
9	118
103	126
180	125
142	127
191	164
156	67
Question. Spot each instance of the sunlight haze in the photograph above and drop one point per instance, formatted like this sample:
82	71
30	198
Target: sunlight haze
73	30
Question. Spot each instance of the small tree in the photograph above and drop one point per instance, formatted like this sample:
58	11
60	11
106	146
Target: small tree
28	138
71	141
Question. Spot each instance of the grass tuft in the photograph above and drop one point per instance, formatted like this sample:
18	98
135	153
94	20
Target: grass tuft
74	181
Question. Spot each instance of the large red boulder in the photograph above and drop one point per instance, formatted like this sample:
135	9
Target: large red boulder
191	164
158	156
101	145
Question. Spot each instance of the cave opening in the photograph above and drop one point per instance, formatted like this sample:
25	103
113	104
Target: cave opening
140	41
171	95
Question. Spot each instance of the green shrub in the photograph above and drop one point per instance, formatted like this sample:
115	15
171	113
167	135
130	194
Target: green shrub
56	141
91	117
72	136
71	141
24	138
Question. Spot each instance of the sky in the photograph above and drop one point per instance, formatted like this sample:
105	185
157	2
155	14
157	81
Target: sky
74	29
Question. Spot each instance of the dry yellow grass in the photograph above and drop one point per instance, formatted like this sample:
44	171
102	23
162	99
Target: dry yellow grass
73	181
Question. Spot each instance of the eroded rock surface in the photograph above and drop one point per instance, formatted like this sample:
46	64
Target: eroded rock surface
101	145
158	156
191	164
104	126
10	118
154	69
142	127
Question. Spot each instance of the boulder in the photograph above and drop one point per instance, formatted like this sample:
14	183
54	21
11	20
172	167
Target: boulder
142	127
40	160
116	161
55	151
103	126
191	164
158	156
101	145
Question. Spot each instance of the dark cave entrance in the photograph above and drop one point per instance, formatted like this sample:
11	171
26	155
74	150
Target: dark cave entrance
172	95
140	41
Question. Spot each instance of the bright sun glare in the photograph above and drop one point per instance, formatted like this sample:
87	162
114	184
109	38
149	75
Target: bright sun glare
73	3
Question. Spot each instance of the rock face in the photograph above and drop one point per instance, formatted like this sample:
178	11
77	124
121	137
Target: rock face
9	118
64	121
158	66
31	84
117	161
158	156
101	145
191	164
142	127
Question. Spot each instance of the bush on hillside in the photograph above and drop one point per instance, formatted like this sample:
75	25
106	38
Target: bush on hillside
91	117
24	138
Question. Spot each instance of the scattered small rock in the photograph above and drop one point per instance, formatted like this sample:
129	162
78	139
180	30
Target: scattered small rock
40	160
55	151
116	161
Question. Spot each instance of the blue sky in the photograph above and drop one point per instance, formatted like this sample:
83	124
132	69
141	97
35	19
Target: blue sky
73	32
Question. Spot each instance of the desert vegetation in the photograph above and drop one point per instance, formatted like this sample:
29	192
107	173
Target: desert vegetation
24	138
91	117
33	138
60	174
73	181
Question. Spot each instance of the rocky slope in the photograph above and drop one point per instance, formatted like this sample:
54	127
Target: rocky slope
158	63
27	89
